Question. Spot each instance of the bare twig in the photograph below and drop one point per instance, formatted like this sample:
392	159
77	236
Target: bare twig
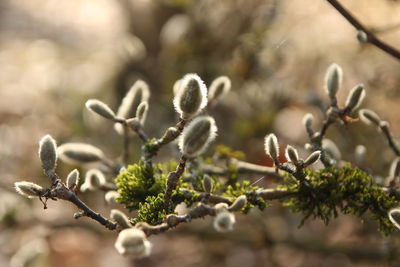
173	179
371	38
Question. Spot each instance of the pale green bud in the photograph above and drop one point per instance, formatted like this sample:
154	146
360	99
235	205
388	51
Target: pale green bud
355	97
73	179
121	219
29	189
48	153
133	242
79	153
197	136
313	158
271	146
100	108
238	204
333	79
191	96
369	117
291	154
208	184
219	87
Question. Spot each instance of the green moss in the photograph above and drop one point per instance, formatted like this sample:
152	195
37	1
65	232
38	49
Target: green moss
152	210
245	188
137	183
227	152
346	190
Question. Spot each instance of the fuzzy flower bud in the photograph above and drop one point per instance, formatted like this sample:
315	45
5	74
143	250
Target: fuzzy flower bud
93	180
133	242
29	189
355	97
110	197
308	120
238	204
48	153
224	220
362	37
100	108
314	157
395	168
197	136
394	217
331	149
271	146
121	219
291	154
73	179
79	153
208	184
219	87
360	154
191	96
138	93
333	79
369	117
141	112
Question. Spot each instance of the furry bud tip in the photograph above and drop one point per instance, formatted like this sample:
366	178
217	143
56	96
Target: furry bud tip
197	136
394	217
110	197
369	117
291	154
355	97
191	96
219	88
238	204
73	179
271	146
29	189
100	108
121	219
93	179
141	112
208	184
313	158
79	153
333	79
224	221
133	242
48	153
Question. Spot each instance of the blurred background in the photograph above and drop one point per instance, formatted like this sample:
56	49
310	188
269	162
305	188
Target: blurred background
54	55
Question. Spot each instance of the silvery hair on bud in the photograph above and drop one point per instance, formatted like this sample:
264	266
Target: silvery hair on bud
141	112
313	158
224	221
333	79
196	137
48	153
271	146
94	178
219	87
331	149
191	96
28	189
79	153
120	218
291	154
308	120
355	97
369	117
138	93
73	179
394	217
100	108
110	197
238	204
208	184
133	242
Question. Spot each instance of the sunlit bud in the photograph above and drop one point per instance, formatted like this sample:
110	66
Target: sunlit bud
224	221
308	146
308	120
170	134
73	179
313	158
395	168
48	153
141	112
360	154
197	136
176	86
220	207
271	146
394	216
121	219
133	123
291	154
331	149
93	180
133	242
219	87
355	97
191	96
100	108
333	79
369	117
29	189
138	93
362	37
79	153
238	204
208	184
110	197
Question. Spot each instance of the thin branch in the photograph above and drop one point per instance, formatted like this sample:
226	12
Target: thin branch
371	38
173	179
391	142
